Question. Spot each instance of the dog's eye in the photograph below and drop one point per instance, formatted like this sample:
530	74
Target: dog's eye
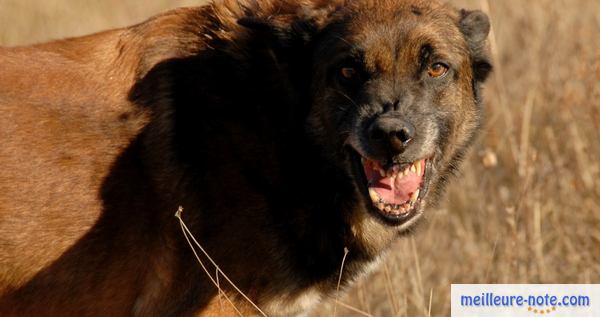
437	70
348	72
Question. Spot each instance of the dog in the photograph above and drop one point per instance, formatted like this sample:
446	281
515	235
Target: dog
297	136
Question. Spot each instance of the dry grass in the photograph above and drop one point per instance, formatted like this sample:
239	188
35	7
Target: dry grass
533	216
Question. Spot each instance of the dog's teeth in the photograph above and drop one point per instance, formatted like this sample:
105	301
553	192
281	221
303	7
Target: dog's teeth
418	168
381	206
374	195
415	195
381	172
413	169
388	208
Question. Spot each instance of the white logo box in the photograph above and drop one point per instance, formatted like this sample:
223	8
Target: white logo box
525	300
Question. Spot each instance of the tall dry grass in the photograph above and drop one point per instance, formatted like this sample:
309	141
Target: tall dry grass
30	21
526	207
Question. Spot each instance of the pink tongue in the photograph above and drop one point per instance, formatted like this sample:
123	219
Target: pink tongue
397	191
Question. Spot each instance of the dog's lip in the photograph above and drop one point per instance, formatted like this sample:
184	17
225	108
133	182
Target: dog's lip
392	219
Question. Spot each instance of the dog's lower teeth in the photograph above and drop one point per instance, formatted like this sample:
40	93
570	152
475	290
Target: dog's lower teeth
394	208
380	204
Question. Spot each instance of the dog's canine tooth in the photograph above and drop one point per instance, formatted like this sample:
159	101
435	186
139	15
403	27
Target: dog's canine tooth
415	195
374	195
381	171
418	164
413	169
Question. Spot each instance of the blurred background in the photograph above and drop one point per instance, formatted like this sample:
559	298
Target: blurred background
526	206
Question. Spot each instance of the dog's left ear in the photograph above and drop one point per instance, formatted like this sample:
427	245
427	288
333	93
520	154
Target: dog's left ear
475	26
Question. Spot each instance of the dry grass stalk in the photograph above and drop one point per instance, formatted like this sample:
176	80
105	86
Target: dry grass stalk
188	234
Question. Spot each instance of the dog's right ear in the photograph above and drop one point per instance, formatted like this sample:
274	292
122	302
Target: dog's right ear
279	33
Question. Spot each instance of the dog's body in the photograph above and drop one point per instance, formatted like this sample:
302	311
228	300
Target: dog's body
229	111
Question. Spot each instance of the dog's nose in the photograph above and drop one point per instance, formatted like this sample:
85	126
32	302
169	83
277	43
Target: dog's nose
392	133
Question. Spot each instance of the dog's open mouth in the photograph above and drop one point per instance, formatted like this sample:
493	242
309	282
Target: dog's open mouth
395	190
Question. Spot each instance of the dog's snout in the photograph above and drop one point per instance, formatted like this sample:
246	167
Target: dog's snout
394	134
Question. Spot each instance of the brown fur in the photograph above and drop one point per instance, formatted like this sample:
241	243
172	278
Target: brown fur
90	180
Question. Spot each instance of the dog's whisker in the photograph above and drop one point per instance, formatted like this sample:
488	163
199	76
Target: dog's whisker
351	46
346	96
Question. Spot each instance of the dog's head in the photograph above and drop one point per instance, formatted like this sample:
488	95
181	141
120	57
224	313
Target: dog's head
397	87
394	97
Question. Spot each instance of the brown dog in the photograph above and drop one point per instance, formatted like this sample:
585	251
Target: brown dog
290	131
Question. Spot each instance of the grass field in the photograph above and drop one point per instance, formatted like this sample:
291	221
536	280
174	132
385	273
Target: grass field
526	207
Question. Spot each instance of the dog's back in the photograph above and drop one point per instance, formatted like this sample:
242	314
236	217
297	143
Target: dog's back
75	206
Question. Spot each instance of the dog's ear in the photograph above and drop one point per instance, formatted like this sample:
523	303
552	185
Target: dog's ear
279	33
475	26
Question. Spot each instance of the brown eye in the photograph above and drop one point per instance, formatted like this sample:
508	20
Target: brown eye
348	72
437	70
